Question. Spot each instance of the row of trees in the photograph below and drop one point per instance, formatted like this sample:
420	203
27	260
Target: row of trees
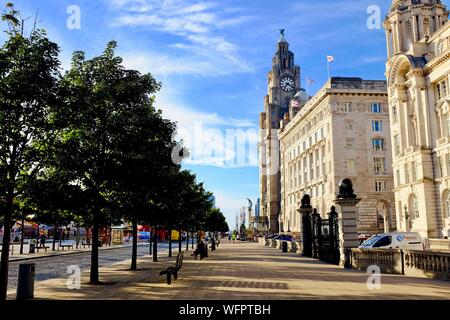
88	146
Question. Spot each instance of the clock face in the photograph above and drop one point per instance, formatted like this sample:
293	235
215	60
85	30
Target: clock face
287	84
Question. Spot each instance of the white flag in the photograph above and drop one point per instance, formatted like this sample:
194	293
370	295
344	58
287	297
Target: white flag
330	58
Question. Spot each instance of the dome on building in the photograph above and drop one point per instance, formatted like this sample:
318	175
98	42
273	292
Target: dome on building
282	40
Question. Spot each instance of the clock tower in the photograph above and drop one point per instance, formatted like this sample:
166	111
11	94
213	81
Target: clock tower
283	84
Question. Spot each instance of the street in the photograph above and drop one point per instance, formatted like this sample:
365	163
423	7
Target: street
238	271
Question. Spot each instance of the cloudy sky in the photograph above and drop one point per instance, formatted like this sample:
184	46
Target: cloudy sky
212	58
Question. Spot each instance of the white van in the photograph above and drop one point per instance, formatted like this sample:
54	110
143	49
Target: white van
395	240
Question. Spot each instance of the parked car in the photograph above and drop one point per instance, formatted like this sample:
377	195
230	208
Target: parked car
284	237
271	236
395	240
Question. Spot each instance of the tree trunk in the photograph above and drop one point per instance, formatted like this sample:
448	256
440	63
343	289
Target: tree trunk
77	238
155	246
179	242
187	240
94	278
134	251
170	242
192	240
4	267
23	234
150	240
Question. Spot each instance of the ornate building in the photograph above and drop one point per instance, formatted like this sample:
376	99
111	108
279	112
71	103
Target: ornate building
283	84
417	71
341	132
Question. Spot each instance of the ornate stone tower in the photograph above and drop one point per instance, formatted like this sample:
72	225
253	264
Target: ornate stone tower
283	84
417	37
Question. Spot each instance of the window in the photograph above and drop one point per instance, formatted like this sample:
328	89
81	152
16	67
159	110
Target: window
377	126
317	164
441	89
378	165
305	170
398	177
378	144
349	124
414	204
348	107
311	166
349	143
397	144
375	107
448	124
380	186
441	167
323	161
383	242
351	165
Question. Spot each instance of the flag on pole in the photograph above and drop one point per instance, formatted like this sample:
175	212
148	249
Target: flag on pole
295	103
310	81
329	59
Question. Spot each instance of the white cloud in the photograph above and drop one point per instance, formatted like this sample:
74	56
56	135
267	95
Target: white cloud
201	49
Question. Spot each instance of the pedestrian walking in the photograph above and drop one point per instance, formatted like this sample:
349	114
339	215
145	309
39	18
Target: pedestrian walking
42	240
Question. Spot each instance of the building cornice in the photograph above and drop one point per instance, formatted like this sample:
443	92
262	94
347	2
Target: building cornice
436	62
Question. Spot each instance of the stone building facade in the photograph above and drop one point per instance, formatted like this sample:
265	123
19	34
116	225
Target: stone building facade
283	83
417	71
341	132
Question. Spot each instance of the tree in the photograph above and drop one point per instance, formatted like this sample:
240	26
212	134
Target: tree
215	221
100	94
144	163
28	80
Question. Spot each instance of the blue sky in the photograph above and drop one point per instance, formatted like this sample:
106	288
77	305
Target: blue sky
212	58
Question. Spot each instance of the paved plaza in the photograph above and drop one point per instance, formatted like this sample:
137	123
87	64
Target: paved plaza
240	271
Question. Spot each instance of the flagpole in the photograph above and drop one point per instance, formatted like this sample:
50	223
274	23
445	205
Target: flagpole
328	69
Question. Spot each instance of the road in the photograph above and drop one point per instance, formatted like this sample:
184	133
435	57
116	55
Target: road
56	266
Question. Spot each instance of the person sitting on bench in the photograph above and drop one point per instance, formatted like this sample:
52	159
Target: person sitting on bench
200	250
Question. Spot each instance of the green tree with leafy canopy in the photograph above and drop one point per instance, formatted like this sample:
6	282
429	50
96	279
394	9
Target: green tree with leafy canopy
29	73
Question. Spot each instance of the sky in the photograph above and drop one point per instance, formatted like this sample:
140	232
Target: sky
212	58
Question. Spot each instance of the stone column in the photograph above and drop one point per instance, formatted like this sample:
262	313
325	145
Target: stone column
348	222
305	212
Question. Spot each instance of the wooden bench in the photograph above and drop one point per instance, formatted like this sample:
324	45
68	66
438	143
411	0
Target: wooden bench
62	246
173	270
41	247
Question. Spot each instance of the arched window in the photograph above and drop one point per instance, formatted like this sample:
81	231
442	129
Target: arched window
409	33
426	27
414	205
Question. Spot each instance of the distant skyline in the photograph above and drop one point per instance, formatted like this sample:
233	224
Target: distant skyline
212	58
